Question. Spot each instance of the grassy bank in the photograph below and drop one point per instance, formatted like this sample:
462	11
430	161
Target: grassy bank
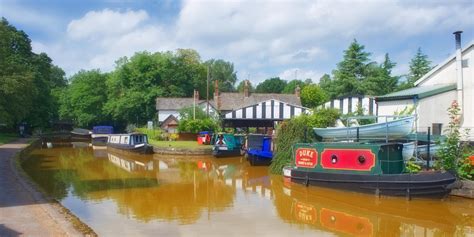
179	144
7	137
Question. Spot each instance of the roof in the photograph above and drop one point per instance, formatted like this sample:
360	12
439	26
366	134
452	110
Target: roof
418	92
177	103
234	100
443	64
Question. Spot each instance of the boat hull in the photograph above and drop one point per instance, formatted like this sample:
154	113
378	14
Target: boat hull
396	128
429	184
256	160
145	149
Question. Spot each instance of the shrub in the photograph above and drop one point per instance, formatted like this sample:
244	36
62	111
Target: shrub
454	154
155	134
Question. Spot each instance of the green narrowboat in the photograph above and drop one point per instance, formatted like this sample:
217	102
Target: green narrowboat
364	167
227	145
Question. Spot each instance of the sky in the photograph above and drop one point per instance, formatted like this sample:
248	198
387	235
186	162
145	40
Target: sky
290	39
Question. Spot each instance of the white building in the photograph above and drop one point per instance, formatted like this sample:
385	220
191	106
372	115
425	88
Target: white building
452	80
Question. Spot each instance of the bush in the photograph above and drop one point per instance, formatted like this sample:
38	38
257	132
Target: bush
197	125
155	134
454	154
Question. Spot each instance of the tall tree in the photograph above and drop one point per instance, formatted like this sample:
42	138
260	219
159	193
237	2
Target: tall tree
352	70
223	72
328	86
271	85
84	99
379	80
27	80
313	96
419	66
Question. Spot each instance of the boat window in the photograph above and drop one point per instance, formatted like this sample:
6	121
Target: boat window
361	160
333	159
126	139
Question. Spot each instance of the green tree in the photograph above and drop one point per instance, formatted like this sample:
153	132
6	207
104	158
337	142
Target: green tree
224	73
379	80
352	70
196	120
291	86
84	99
27	80
419	66
328	86
313	96
271	85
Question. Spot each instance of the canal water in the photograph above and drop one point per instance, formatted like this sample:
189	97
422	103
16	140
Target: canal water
152	195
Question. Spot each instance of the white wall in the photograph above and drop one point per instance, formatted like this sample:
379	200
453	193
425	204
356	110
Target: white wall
390	107
433	109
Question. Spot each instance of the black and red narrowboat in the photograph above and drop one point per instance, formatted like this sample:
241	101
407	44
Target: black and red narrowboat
376	168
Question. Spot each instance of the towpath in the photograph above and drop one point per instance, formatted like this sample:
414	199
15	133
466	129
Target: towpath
24	211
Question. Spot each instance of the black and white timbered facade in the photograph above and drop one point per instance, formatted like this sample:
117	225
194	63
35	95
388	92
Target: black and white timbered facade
262	114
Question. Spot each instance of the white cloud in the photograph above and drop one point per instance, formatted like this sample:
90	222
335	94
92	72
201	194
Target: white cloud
262	38
97	24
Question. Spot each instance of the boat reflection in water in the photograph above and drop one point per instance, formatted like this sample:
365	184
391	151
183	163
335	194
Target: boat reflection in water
130	195
357	214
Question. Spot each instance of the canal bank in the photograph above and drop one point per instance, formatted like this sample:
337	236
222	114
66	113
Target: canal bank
24	210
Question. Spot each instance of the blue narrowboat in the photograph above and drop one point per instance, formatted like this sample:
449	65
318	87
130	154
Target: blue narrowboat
262	155
100	134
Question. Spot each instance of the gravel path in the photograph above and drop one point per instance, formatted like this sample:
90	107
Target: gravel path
24	211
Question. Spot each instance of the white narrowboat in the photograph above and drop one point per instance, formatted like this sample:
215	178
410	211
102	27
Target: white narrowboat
134	142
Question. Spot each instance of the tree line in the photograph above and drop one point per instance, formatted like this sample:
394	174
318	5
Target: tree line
35	91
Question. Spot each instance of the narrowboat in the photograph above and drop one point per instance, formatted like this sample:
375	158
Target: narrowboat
263	155
227	145
134	142
100	134
376	168
80	134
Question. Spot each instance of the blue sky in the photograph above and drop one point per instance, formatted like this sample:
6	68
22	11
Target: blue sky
262	38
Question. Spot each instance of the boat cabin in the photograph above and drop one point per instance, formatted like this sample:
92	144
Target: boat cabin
128	139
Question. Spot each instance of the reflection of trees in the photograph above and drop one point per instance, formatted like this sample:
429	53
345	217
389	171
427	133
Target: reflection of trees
387	216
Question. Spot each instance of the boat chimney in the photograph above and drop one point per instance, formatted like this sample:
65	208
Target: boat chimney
459	78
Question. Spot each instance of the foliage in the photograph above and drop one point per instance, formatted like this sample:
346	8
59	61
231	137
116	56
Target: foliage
360	111
84	99
288	133
419	66
27	81
224	73
298	129
271	85
412	167
453	153
131	128
408	110
323	117
291	86
313	96
155	134
198	122
357	74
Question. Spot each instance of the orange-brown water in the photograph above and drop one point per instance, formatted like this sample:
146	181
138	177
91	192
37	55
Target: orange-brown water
152	195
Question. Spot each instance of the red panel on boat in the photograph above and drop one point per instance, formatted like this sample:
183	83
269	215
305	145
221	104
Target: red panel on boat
348	159
306	157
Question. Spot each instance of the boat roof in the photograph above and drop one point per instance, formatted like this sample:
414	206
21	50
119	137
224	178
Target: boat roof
127	134
417	92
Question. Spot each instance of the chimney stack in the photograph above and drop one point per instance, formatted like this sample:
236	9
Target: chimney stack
246	89
459	78
298	91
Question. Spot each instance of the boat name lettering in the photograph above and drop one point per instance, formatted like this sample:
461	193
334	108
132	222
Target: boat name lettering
306	157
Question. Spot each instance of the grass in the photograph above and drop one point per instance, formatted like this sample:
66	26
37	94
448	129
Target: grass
7	137
179	144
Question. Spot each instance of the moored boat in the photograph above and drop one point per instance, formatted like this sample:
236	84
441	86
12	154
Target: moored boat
80	134
369	168
134	142
392	129
263	155
226	145
100	134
